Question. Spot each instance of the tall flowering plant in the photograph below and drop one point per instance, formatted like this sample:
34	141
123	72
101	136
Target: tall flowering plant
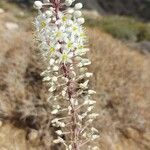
63	45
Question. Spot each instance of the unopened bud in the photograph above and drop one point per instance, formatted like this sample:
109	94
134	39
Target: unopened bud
38	4
78	6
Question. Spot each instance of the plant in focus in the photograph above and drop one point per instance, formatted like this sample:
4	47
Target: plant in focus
63	45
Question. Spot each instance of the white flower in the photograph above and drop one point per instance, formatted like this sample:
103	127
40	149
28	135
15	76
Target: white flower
65	57
38	4
70	44
53	48
59	34
78	6
74	29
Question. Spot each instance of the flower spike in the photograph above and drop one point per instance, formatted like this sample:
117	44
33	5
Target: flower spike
63	46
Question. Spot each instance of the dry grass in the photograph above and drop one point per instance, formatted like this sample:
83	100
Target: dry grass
121	79
21	90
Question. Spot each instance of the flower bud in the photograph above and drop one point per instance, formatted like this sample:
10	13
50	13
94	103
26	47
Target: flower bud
78	6
59	132
88	74
59	140
48	13
55	68
52	89
77	13
51	62
55	111
38	4
70	11
80	20
54	79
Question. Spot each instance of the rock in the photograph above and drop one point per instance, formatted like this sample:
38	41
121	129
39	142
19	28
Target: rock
11	25
1	11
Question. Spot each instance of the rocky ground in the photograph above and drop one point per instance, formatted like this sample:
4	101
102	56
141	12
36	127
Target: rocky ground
121	79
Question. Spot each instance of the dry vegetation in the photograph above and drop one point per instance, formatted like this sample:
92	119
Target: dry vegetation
121	79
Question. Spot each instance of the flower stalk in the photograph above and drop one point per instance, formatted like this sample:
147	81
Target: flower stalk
63	46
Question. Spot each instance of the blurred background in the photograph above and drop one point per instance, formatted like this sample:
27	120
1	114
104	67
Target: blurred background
119	40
